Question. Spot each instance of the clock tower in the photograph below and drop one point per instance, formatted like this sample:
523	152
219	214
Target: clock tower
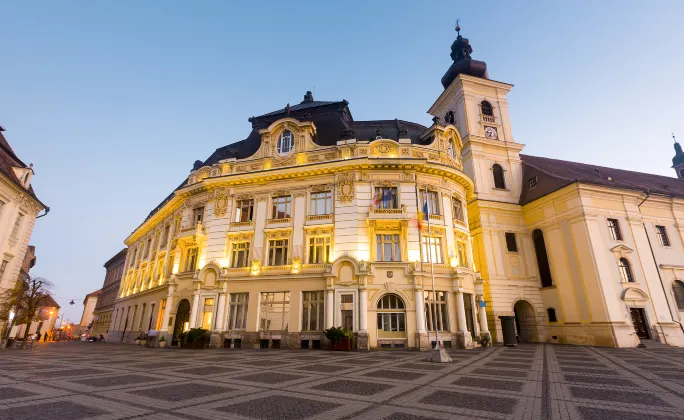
678	160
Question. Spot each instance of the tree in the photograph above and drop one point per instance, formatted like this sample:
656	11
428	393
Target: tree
24	300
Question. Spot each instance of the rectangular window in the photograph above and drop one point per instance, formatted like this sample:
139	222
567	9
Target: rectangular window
393	321
388	248
436	312
237	315
386	198
432	249
321	203
614	229
281	207
244	210
319	249
3	267
312	311
191	259
462	254
277	251
274	311
165	237
662	235
17	224
197	215
432	201
532	183
240	255
142	317
458	209
511	243
207	313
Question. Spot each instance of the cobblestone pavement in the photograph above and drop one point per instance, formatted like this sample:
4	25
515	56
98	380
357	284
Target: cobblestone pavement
108	381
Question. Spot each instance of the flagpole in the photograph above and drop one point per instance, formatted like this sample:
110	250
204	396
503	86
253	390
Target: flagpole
420	249
433	307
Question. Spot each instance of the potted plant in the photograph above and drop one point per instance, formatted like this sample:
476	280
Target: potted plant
340	338
195	338
162	342
137	340
143	340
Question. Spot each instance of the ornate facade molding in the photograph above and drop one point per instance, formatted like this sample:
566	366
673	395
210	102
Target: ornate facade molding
345	187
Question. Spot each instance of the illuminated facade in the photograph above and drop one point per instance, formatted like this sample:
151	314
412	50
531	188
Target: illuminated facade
312	222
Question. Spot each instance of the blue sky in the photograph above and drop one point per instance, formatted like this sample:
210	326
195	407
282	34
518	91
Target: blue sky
113	101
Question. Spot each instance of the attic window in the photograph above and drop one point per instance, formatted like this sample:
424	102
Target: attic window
532	183
285	143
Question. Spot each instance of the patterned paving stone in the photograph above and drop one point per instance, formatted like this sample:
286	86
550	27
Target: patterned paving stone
206	370
7	393
108	381
599	380
471	401
591	413
345	386
181	392
269	378
616	396
671	376
394	374
406	416
323	368
510	365
266	362
361	362
501	372
489	384
153	366
65	409
276	407
66	373
433	367
594	371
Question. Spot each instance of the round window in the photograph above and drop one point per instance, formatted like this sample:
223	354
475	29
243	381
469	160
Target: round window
285	142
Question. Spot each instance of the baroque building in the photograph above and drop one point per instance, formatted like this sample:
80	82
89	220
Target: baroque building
102	315
314	220
19	209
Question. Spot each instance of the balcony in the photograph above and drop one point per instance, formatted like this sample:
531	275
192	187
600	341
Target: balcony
319	219
281	221
460	224
437	217
242	225
399	214
489	119
197	230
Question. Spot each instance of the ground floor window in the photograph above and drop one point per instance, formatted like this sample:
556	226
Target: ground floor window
391	317
237	315
274	311
240	255
432	249
208	313
312	311
436	311
277	252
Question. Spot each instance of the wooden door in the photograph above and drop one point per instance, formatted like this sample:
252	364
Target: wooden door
639	321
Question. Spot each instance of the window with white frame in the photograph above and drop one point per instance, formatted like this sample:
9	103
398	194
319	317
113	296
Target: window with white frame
282	207
197	215
662	235
237	314
277	251
391	314
244	210
191	259
274	311
319	249
388	247
625	270
614	229
17	224
436	311
458	209
386	198
432	201
285	142
462	250
165	237
239	255
321	203
432	249
313	311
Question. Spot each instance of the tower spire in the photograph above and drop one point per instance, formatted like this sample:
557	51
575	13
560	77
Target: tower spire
463	63
678	159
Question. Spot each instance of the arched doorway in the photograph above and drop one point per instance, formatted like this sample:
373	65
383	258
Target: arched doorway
182	316
391	313
525	322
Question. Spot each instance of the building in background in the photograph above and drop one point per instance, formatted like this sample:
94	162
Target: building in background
105	304
19	208
89	304
316	220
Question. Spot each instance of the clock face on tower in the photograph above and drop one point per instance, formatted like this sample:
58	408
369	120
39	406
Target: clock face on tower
490	133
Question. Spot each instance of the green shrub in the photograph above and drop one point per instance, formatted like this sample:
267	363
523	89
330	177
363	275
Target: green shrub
335	334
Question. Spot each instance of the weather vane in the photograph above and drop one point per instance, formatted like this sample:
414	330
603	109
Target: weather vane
458	27
673	138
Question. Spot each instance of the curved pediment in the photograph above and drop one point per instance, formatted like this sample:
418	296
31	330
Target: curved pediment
634	293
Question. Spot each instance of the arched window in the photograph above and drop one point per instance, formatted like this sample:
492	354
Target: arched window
542	258
285	142
625	271
391	317
486	108
498	174
451	150
678	289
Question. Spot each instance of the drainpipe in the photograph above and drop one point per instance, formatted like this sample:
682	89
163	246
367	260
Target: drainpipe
660	277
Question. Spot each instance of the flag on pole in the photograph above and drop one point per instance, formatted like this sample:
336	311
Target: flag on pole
423	216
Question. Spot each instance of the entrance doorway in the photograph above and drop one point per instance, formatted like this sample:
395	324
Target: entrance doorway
468	305
525	322
182	316
640	324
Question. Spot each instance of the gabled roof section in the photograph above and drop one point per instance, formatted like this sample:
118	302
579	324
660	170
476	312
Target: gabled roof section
9	160
554	174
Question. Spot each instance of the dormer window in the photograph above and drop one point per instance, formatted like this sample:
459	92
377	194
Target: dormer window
285	143
451	150
487	109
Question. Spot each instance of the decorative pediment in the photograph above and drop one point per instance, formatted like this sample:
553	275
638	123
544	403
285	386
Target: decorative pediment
384	148
621	250
634	294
